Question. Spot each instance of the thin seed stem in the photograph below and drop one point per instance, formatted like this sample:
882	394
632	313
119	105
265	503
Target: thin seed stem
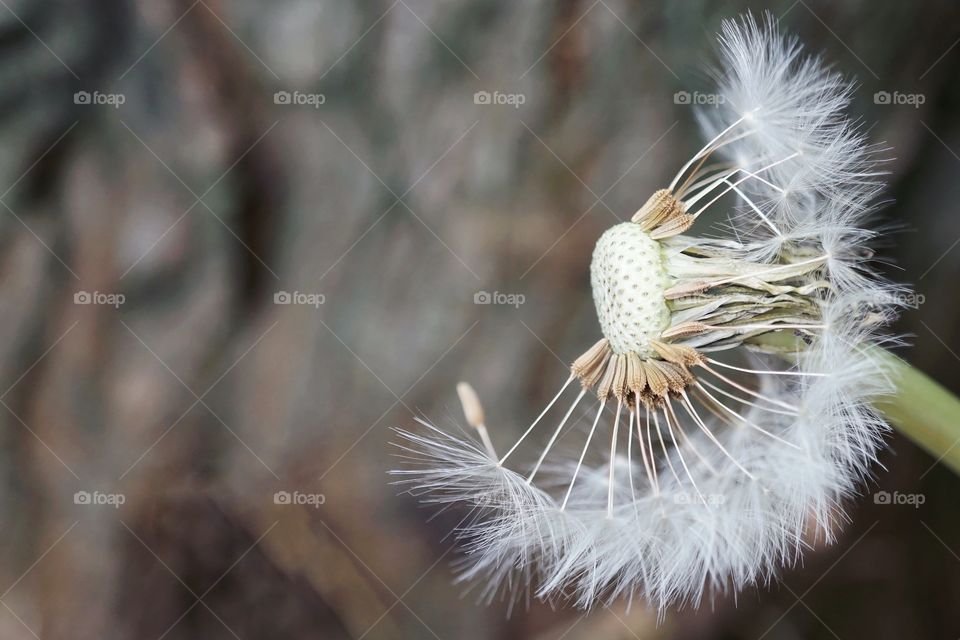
676	446
685	187
755	208
745	401
747	422
727	190
763	180
704	175
705	148
666	454
653	461
485	437
613	459
696	416
633	494
643	453
766	272
542	413
710	405
766	327
749	391
768	372
555	435
583	455
687	442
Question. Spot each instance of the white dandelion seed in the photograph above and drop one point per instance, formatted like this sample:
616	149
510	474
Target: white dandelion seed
736	373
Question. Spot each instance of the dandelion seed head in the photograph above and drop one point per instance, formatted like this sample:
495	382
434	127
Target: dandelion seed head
727	414
629	280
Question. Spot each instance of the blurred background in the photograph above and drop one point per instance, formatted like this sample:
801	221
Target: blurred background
241	240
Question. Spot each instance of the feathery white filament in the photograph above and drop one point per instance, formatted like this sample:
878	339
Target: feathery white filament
696	417
633	491
771	438
539	417
767	371
652	470
741	400
744	420
755	394
676	445
735	184
586	446
699	154
613	459
753	206
555	435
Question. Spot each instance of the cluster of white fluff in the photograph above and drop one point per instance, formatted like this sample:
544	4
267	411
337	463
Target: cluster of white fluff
810	441
796	103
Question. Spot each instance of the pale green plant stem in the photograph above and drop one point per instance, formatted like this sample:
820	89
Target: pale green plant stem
922	410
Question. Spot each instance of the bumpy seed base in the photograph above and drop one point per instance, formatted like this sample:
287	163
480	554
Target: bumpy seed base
629	279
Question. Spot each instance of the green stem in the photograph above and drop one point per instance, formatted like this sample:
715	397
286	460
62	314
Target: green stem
922	410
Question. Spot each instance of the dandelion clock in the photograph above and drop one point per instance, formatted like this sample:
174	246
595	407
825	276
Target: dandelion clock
732	388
